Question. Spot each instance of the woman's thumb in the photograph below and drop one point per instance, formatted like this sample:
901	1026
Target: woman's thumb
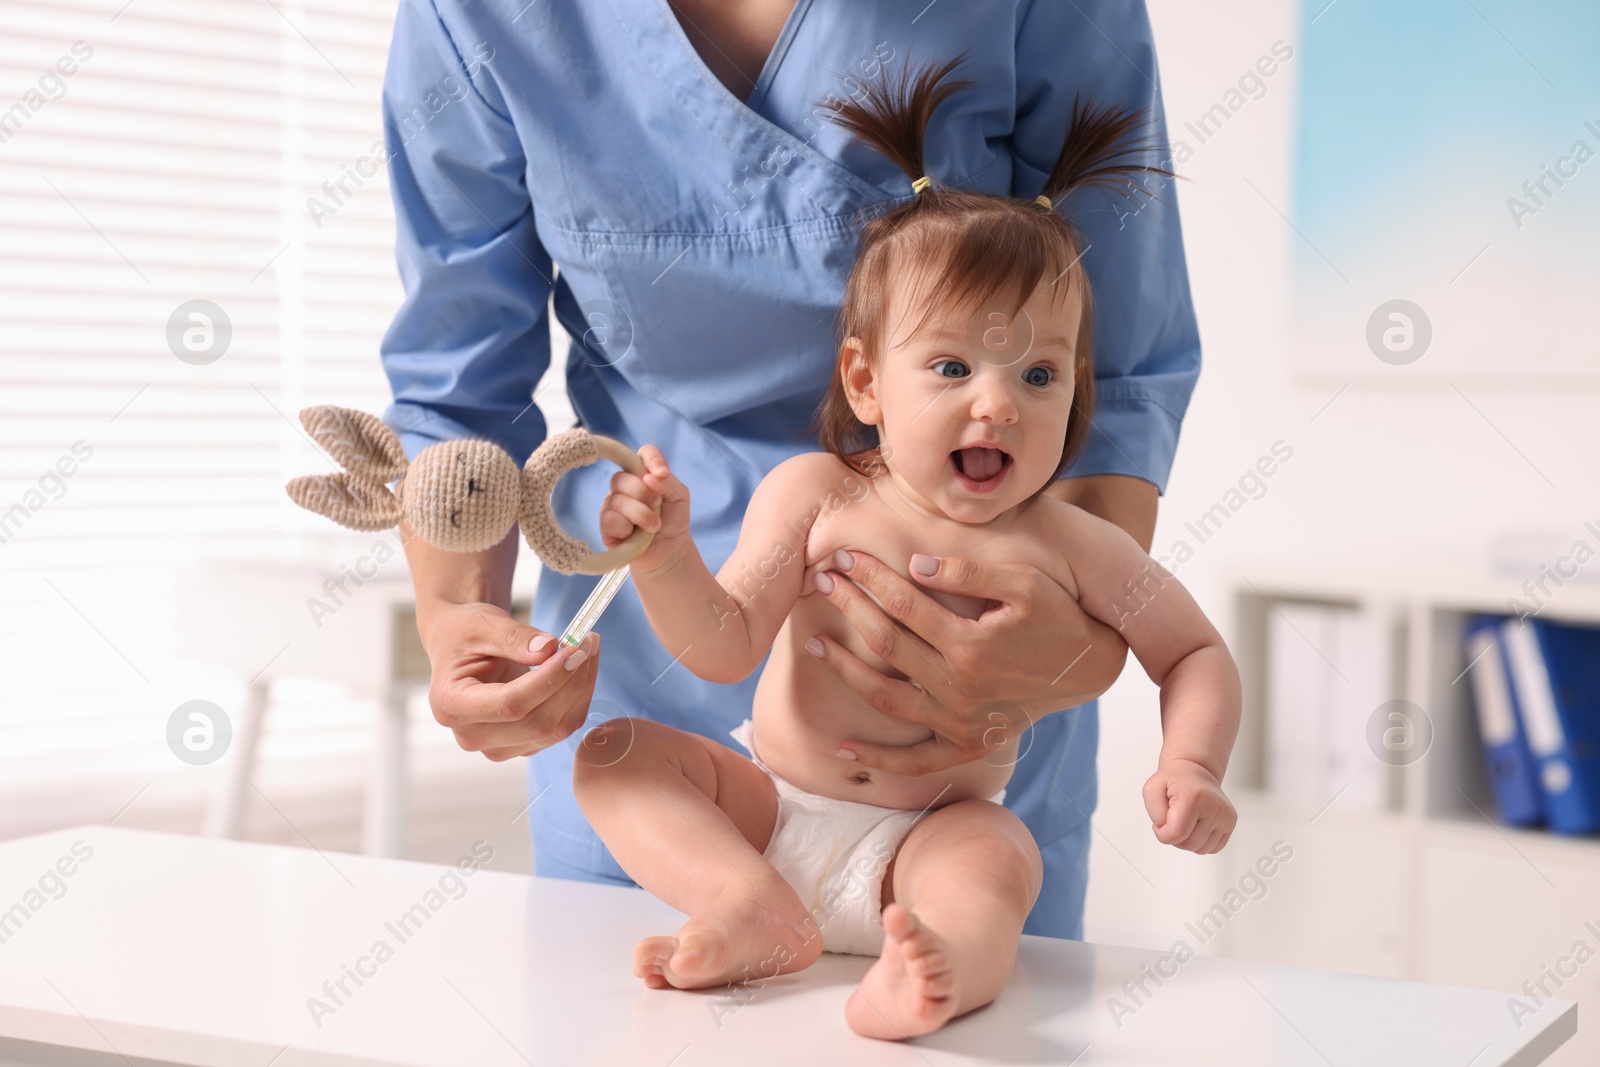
532	645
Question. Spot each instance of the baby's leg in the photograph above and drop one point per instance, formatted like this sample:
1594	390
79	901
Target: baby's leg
955	897
688	819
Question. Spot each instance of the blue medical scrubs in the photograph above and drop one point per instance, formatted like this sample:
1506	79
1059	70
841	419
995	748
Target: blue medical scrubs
703	245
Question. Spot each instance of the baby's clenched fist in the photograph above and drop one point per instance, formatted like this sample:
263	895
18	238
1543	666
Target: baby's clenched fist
1187	807
631	505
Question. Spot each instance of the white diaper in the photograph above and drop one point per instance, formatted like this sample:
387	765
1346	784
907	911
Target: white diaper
834	853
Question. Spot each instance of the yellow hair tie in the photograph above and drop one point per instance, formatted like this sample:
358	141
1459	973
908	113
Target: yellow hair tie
921	183
1044	201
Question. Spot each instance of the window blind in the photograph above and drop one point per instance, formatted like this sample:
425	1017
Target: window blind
170	182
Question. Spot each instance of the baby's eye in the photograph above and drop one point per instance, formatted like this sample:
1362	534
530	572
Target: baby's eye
1048	376
950	363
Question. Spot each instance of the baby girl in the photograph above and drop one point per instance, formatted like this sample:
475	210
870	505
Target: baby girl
797	849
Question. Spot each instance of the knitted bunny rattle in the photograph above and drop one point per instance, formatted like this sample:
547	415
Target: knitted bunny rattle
463	495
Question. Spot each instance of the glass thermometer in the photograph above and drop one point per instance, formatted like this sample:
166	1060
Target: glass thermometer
589	614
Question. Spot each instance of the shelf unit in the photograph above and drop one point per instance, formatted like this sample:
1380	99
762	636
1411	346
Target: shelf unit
1430	888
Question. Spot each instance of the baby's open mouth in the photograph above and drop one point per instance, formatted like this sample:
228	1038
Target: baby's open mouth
981	466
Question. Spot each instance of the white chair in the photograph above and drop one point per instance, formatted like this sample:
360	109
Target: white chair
316	621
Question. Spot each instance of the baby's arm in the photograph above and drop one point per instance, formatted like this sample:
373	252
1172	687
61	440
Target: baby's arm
1183	653
719	627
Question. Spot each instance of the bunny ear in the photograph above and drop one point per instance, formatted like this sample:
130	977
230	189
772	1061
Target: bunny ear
361	443
349	500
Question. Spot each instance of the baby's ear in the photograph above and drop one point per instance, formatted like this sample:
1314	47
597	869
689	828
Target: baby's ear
361	443
348	499
860	381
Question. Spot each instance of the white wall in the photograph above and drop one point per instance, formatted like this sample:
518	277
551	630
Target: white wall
1397	471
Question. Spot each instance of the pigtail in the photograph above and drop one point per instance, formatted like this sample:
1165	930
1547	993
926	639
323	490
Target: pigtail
964	249
1090	155
893	116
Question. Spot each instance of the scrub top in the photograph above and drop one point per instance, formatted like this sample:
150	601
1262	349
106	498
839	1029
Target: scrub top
703	245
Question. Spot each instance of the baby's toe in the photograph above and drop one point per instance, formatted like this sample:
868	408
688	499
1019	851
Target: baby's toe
700	952
937	985
928	965
650	958
898	922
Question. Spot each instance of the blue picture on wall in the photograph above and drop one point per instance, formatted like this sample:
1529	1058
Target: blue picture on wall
1446	203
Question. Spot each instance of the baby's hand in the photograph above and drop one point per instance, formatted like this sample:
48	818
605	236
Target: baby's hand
630	505
1187	807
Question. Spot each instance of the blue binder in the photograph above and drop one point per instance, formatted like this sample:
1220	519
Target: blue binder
1555	674
1512	772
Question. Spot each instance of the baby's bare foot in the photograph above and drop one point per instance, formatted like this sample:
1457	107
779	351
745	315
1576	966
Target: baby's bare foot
912	989
746	933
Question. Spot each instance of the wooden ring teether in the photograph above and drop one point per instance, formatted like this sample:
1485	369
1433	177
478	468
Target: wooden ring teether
558	549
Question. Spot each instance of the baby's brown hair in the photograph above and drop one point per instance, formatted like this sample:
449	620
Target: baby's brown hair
984	245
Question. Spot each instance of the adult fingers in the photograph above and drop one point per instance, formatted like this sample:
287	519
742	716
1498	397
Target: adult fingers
552	720
484	630
928	623
983	579
892	696
988	739
903	650
468	699
924	757
550	723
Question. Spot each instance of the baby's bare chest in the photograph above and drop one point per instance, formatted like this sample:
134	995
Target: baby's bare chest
868	524
803	709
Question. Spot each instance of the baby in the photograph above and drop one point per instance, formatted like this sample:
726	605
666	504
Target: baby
798	849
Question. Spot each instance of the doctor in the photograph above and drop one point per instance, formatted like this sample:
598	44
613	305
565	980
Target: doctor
676	163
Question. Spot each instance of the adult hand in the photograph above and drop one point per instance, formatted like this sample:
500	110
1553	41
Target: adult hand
482	687
976	683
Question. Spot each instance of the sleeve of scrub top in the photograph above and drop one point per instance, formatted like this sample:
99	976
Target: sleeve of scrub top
1146	341
472	338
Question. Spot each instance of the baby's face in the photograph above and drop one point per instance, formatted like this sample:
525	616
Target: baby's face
973	378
